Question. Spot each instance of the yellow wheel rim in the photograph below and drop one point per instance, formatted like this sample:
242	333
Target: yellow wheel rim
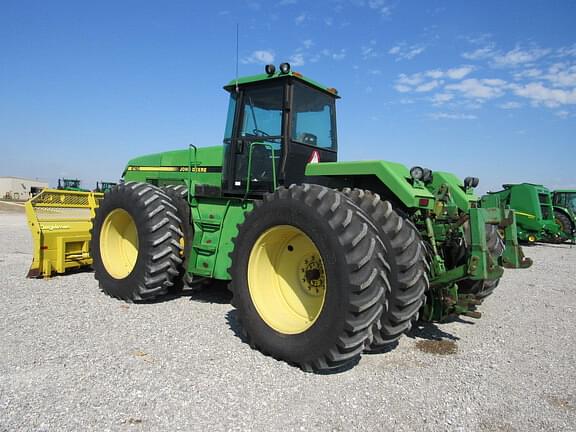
119	243
287	279
531	238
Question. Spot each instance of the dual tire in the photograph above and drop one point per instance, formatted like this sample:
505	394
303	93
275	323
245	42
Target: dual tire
308	275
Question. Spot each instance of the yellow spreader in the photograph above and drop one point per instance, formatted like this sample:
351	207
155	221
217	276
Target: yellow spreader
60	223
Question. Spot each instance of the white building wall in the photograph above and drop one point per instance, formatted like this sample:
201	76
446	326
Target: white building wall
18	188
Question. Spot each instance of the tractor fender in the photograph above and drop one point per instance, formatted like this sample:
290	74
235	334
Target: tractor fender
394	176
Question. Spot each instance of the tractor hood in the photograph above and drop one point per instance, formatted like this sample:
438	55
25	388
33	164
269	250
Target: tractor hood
178	160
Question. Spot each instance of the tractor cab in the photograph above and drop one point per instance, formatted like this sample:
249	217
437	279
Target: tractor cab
566	199
70	185
277	123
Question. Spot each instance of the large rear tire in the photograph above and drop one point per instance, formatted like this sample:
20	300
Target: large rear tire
136	242
408	268
308	277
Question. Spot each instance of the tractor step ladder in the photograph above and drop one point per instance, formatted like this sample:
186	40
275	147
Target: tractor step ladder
208	229
60	222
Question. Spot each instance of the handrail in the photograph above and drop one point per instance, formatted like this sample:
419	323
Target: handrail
190	147
248	175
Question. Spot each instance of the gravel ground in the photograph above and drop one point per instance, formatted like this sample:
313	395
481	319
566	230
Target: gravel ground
73	359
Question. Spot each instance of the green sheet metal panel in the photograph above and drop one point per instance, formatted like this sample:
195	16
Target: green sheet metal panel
394	175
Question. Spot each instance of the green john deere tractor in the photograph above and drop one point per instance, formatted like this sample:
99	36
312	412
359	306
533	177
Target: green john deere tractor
532	205
565	211
104	186
325	259
70	185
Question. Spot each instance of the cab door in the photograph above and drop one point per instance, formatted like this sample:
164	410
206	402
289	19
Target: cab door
255	148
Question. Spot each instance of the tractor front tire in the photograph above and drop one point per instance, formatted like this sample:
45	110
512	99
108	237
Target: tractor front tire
307	277
408	268
564	223
136	242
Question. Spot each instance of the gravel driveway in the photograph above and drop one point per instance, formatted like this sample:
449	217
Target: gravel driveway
72	359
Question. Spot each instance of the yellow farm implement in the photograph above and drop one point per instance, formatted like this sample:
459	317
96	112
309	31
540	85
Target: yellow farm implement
60	222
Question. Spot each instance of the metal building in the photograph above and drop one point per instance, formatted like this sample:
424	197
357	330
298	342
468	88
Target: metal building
18	188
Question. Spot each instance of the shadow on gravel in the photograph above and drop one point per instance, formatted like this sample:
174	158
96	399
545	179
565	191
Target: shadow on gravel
213	292
430	331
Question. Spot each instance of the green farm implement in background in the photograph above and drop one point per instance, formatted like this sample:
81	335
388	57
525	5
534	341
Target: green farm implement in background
104	186
536	217
325	259
70	185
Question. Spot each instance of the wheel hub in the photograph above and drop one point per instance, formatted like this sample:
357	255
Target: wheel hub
312	280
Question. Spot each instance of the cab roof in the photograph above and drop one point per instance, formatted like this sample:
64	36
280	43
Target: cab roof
241	81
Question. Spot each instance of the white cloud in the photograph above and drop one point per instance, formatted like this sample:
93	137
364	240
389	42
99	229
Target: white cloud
402	88
479	39
340	55
512	58
511	105
402	51
452	116
368	52
329	21
566	51
479	89
527	73
300	18
410	80
260	56
539	94
518	56
442	98
381	6
286	2
562	114
334	55
307	43
480	53
561	75
429	86
297	60
459	73
436	74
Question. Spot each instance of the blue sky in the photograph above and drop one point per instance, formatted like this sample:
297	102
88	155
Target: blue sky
483	88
